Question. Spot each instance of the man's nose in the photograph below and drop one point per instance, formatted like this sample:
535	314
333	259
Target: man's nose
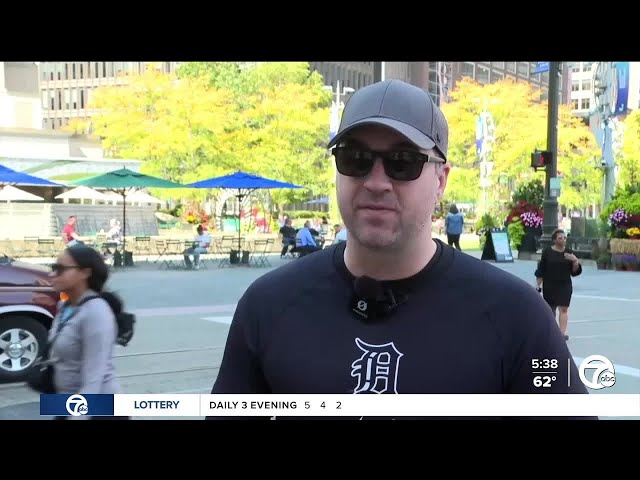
377	180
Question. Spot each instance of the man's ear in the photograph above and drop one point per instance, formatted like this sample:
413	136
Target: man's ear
442	175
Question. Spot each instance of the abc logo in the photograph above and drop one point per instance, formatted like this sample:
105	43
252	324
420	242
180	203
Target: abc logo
77	405
603	375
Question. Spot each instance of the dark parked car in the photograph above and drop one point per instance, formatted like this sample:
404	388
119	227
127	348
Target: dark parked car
28	304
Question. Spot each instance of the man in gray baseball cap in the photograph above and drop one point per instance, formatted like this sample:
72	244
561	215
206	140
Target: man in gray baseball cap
391	157
375	314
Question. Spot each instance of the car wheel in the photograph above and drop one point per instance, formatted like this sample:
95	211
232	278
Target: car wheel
21	340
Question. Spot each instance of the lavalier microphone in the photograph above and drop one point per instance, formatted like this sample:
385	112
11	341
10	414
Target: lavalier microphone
371	299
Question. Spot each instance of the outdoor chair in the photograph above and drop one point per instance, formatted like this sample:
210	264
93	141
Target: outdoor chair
143	246
261	250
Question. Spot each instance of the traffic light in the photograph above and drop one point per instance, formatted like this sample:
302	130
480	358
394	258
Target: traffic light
540	159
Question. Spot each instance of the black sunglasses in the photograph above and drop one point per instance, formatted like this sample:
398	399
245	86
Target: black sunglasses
59	269
403	165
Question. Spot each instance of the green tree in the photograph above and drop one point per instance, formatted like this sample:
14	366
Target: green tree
462	185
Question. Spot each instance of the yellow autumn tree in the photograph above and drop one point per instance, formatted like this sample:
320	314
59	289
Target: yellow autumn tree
268	119
629	161
520	119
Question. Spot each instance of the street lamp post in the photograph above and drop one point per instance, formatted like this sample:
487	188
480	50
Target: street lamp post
334	123
550	203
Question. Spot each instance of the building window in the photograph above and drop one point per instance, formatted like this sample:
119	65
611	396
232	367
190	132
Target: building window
66	71
73	69
586	66
59	100
545	78
496	76
586	85
575	68
468	69
67	98
585	104
81	70
74	98
575	86
510	66
482	74
104	69
82	98
574	104
523	69
498	65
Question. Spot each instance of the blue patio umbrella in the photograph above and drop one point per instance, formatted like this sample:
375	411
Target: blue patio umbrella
12	177
244	183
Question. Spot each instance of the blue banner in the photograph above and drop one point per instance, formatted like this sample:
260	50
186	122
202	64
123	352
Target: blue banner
76	405
622	98
541	67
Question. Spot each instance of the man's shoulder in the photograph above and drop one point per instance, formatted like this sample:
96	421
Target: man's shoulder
486	278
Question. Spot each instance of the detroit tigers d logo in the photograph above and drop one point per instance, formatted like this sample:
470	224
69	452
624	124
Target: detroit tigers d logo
377	368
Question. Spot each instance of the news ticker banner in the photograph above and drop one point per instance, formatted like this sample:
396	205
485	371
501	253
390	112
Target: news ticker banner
457	405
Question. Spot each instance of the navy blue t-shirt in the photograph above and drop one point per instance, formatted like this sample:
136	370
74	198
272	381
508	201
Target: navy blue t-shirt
462	326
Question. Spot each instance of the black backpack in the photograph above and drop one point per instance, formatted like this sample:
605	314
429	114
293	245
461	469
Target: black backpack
124	320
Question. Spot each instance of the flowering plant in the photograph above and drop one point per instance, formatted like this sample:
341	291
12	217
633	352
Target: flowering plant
531	219
197	217
618	218
529	214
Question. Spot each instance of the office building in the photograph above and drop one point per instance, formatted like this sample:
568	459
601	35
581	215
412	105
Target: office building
66	87
439	78
581	87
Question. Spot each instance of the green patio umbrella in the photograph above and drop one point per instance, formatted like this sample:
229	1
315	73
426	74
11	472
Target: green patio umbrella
124	182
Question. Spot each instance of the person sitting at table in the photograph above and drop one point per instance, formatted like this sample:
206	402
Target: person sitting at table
288	237
69	235
200	245
114	235
305	244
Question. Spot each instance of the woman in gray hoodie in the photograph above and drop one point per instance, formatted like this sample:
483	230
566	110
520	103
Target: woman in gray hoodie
83	333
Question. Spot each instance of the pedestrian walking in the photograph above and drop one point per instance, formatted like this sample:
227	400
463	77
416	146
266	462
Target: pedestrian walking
557	265
454	226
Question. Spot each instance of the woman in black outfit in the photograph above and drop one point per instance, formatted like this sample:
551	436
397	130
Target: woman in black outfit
556	267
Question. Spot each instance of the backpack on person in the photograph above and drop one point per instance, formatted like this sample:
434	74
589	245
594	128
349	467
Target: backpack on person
40	375
124	320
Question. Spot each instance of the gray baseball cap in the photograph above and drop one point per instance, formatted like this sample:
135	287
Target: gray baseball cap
403	107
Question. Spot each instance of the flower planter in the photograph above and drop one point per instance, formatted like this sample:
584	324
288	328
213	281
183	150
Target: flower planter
529	241
625	246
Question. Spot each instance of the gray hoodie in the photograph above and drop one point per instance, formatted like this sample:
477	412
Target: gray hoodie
83	350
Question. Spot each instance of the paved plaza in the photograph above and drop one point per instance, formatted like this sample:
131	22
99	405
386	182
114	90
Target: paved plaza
184	316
